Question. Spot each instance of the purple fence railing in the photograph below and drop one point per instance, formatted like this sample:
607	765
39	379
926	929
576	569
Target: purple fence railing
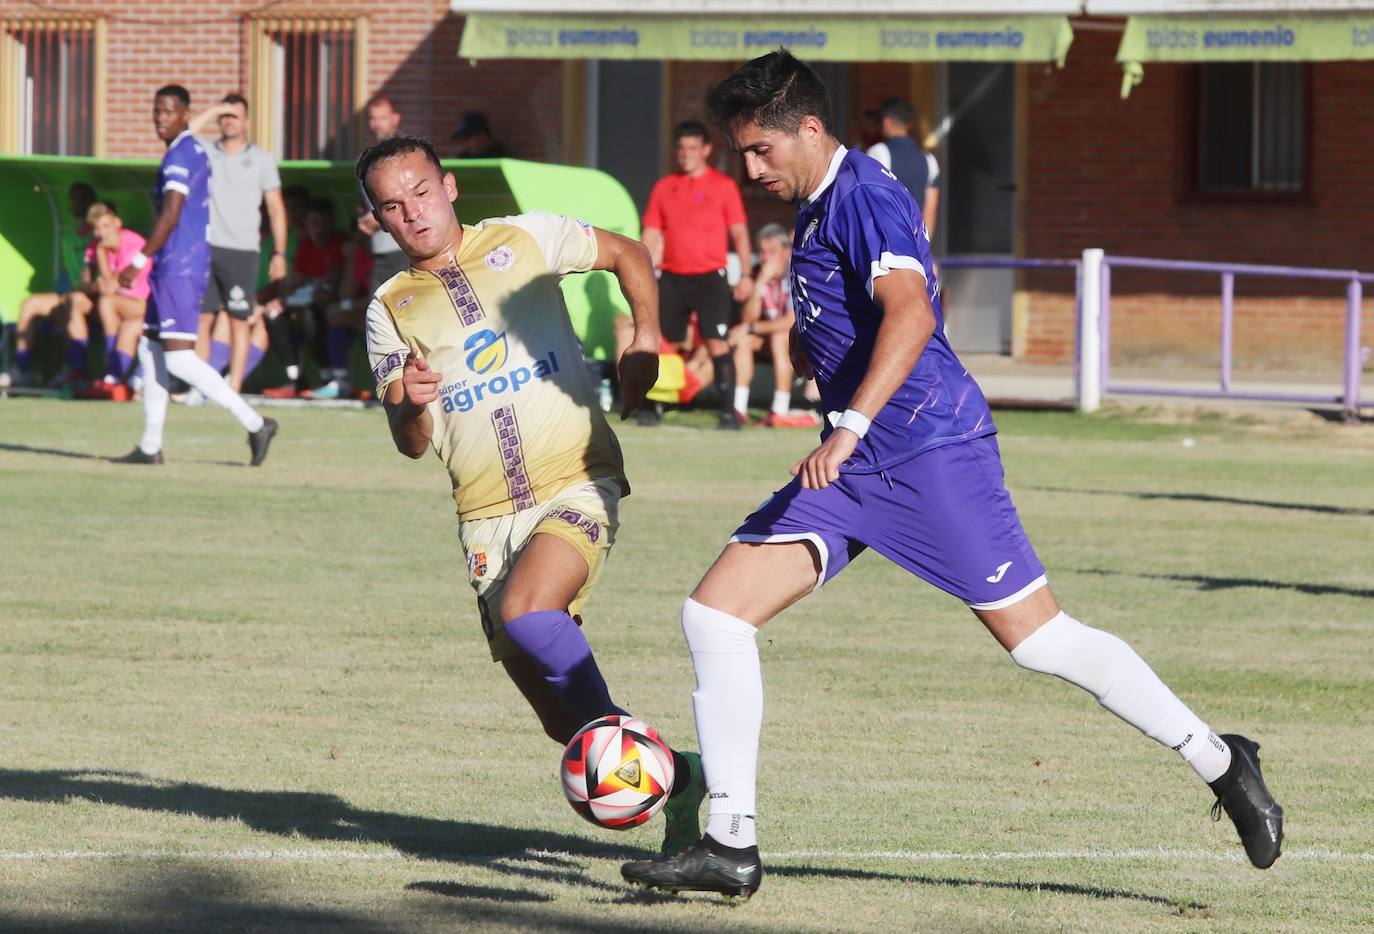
1349	397
1093	325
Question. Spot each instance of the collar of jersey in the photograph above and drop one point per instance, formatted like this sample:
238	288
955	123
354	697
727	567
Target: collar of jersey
830	174
180	136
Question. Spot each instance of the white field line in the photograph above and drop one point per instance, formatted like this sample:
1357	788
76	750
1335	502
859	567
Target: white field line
323	855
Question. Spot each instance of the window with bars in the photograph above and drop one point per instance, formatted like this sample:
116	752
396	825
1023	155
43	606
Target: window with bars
308	83
53	81
1251	128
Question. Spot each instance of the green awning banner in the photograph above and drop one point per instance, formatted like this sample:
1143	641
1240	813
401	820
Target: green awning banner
1281	38
825	39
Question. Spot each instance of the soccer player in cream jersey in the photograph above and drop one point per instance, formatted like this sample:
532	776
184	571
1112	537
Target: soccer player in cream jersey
907	466
475	357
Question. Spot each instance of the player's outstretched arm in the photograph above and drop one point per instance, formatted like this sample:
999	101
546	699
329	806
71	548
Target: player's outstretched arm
172	200
406	402
908	323
638	366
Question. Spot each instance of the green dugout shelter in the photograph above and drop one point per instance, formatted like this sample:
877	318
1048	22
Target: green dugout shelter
33	192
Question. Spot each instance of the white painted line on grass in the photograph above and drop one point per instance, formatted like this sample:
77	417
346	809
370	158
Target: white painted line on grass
322	855
938	856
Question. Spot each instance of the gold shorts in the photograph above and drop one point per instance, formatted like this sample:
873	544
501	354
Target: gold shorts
585	515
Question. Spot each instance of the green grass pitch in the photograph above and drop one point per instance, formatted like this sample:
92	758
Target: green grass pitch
236	699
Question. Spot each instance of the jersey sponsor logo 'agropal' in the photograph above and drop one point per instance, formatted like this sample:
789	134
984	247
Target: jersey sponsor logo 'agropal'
487	353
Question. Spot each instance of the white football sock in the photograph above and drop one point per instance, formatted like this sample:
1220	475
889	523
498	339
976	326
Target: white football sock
741	398
293	372
155	394
782	402
1111	671
185	365
728	703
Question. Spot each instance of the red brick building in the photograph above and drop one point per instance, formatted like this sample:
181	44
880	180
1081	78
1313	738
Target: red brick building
1039	160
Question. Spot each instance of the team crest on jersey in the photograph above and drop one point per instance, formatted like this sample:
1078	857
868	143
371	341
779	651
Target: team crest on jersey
486	350
810	229
500	259
477	562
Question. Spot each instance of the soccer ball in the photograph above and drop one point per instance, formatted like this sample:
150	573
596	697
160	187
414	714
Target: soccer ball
617	772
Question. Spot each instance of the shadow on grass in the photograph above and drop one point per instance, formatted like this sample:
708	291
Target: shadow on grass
1208	583
1060	888
326	818
51	452
1318	508
200	897
83	456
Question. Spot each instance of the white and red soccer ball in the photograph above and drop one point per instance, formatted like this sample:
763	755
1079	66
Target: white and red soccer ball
617	772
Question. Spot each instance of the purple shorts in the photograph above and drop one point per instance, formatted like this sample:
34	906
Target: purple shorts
174	306
944	515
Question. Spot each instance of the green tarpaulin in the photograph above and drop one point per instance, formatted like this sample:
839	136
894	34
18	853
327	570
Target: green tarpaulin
33	191
835	39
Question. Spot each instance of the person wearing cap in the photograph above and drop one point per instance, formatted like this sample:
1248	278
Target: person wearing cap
474	136
905	158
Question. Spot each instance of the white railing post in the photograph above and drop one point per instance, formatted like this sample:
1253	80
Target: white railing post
1089	351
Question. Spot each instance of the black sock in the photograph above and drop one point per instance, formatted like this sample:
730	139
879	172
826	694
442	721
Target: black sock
725	380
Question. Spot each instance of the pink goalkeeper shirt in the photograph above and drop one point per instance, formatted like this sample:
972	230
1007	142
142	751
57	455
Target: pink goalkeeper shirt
129	244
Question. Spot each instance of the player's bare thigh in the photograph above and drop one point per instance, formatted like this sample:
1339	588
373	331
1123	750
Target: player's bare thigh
1011	624
547	576
756	581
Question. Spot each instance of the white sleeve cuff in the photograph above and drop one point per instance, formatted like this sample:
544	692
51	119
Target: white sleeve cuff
889	261
176	186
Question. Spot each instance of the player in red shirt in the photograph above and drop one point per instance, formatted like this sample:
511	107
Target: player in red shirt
692	214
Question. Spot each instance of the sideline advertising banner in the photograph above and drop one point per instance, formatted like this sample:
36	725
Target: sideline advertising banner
1292	38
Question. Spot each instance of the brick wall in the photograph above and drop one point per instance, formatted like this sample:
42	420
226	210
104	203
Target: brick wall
412	57
1103	172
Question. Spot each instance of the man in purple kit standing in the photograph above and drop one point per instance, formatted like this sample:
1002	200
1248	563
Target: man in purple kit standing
908	466
180	242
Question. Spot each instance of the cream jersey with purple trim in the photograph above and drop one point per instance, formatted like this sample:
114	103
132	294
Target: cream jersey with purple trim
516	421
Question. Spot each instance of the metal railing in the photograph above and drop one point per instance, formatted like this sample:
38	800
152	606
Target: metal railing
1093	354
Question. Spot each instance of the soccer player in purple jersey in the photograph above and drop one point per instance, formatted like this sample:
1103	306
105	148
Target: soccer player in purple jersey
908	466
180	242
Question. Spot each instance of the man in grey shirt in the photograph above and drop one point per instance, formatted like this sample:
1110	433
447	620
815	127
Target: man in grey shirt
243	176
383	120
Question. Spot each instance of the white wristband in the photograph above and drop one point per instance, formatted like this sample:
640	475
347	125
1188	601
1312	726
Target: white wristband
138	260
854	421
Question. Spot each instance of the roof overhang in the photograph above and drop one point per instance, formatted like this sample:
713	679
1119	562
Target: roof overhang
856	36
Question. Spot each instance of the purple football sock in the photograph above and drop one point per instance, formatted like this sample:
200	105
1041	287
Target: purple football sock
558	648
255	355
219	355
119	365
23	359
76	354
109	345
340	342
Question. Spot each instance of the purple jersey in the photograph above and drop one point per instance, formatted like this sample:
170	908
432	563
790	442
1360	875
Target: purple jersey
861	225
185	168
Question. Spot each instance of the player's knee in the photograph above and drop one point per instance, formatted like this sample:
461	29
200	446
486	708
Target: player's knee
709	630
516	603
1081	655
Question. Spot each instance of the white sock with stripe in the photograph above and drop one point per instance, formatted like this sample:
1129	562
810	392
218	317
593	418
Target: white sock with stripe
728	703
1111	671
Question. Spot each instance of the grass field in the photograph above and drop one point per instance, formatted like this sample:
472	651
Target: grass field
236	699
